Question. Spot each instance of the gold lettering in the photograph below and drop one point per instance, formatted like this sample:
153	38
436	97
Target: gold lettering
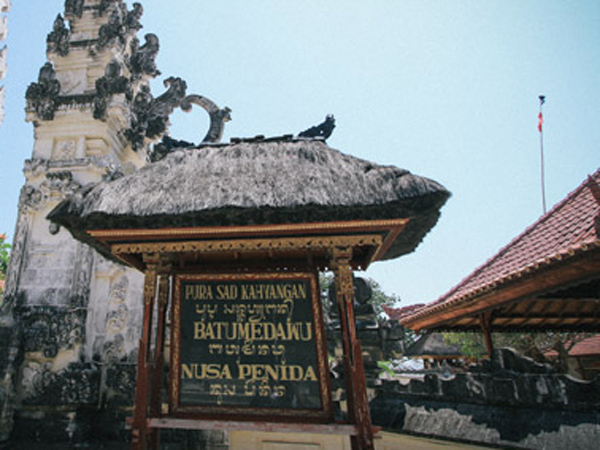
266	372
205	371
198	292
227	292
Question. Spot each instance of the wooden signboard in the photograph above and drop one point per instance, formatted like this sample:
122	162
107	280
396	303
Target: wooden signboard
248	346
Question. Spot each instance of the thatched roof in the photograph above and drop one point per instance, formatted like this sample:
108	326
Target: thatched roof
257	182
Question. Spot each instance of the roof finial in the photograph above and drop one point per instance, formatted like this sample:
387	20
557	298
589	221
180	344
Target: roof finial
322	130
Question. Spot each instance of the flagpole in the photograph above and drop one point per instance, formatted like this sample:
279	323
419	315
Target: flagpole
541	130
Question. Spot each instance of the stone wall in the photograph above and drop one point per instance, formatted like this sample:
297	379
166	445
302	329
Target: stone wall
510	402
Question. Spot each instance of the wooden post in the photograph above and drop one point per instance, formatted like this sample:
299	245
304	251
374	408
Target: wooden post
157	366
485	321
354	372
139	432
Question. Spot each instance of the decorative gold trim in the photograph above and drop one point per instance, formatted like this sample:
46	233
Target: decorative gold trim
248	245
367	225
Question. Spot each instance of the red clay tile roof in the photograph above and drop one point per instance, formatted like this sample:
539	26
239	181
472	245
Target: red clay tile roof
398	313
587	347
572	226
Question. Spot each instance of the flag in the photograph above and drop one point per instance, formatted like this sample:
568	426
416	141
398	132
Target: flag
540	121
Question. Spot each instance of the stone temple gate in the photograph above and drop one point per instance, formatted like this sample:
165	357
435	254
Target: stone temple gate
114	225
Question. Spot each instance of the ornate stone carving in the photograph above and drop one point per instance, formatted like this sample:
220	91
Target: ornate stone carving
132	20
105	5
30	198
322	130
120	23
56	186
65	149
48	329
150	115
218	117
114	350
42	96
58	39
142	60
73	8
120	383
112	32
75	385
111	83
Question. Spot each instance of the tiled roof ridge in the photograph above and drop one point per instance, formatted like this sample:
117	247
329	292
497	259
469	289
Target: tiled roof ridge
447	297
559	256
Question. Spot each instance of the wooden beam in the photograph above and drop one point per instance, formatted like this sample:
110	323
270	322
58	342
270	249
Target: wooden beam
485	322
271	427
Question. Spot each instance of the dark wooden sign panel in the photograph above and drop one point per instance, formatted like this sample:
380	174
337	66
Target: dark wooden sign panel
249	345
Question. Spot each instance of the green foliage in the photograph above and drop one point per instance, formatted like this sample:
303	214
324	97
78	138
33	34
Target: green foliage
533	345
471	344
386	367
4	256
378	299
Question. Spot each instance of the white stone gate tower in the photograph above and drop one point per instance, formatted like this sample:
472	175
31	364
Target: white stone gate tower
70	319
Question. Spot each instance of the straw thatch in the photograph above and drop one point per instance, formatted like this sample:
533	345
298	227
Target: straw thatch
258	182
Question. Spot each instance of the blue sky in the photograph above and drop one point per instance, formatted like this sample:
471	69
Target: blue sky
446	89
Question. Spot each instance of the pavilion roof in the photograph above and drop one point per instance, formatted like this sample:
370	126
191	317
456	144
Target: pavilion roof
560	251
257	182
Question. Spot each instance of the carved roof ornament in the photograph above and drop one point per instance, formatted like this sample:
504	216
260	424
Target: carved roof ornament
323	130
58	39
142	60
218	117
42	96
73	8
151	115
110	84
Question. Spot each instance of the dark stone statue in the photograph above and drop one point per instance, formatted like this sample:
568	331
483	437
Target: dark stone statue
111	32
142	60
322	130
58	39
132	20
104	5
73	8
111	83
42	96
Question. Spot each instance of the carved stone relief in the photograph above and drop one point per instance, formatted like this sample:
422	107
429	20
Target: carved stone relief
116	321
75	385
65	149
47	329
56	186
